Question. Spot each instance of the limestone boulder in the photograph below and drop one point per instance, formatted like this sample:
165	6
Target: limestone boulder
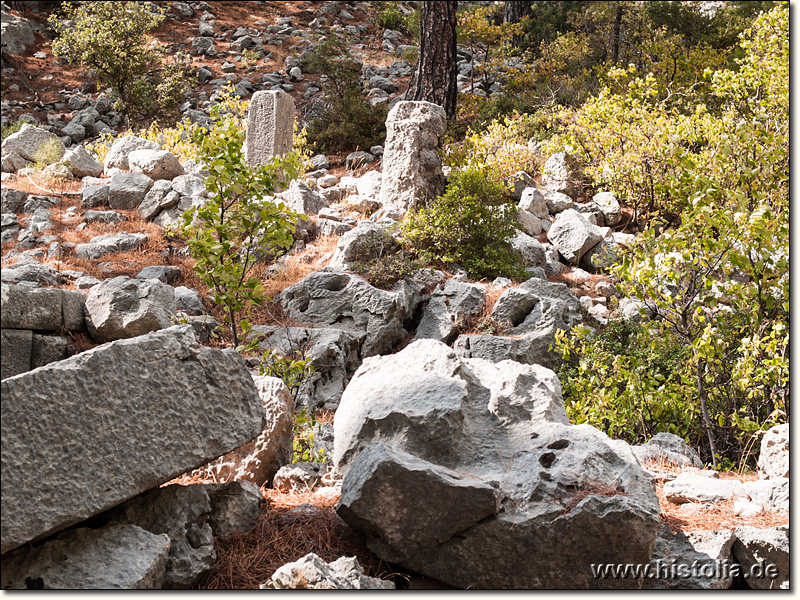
34	144
412	170
260	459
156	164
455	468
313	573
702	487
117	157
235	507
697	554
563	174
81	164
117	557
774	458
17	33
763	549
451	305
333	298
301	198
667	447
532	313
609	205
123	307
109	243
116	421
573	235
366	241
128	190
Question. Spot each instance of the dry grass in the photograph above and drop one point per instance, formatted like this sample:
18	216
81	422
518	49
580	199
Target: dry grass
244	561
708	516
478	325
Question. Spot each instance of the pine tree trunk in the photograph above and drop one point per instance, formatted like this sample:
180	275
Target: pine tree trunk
615	34
435	78
515	11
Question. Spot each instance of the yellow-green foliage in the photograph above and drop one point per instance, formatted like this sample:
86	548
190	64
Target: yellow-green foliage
502	148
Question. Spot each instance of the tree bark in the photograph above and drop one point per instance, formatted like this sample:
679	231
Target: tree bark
615	34
515	11
435	77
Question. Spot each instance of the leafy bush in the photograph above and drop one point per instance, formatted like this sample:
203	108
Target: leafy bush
717	275
303	447
293	368
502	148
110	37
471	225
239	224
389	16
346	119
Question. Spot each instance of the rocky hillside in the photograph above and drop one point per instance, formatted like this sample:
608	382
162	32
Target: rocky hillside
417	424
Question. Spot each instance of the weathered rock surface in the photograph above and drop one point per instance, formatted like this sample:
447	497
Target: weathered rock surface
573	235
125	307
693	487
16	349
235	507
763	547
334	356
81	164
156	164
691	561
128	190
770	494
259	459
455	468
116	557
333	298
774	458
412	171
563	174
301	198
363	243
450	305
34	144
299	477
114	422
313	573
270	125
109	243
667	447
117	156
41	309
182	513
532	312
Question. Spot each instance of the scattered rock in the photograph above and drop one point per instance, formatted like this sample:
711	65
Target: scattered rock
562	173
363	243
123	307
691	561
693	487
573	235
235	507
774	458
763	549
34	144
313	573
156	164
667	447
81	164
116	557
117	157
128	190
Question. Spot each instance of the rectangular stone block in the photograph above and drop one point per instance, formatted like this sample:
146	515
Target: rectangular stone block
73	310
84	434
47	349
30	308
270	126
15	351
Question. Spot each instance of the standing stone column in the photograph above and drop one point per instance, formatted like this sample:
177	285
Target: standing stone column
412	170
270	125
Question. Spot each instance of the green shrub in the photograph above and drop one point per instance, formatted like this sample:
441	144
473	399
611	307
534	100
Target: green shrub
384	272
389	15
239	224
471	225
346	120
11	128
110	38
303	447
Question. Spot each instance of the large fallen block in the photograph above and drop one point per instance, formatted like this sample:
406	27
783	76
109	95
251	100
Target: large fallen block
87	433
